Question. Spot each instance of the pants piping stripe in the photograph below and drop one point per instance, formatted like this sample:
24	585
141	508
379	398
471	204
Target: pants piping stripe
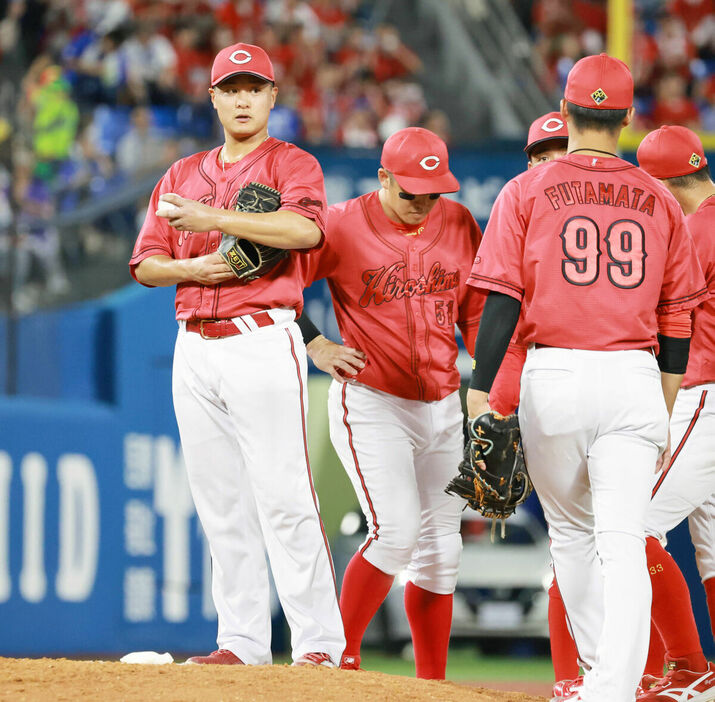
689	431
307	461
376	526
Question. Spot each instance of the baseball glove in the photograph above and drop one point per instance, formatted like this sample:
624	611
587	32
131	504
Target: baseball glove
492	476
247	259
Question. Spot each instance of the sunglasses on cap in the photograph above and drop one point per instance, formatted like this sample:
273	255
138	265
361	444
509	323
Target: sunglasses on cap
409	196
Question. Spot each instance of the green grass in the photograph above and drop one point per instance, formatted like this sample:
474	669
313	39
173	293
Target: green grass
467	664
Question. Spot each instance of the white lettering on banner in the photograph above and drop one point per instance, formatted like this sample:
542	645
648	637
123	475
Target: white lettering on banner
139	594
79	528
172	500
208	608
33	580
5	475
138	461
139	525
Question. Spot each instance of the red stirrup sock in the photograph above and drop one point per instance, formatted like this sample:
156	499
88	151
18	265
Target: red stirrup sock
363	591
563	648
656	653
671	610
430	618
709	586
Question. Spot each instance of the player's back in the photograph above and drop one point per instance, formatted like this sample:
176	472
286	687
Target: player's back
599	252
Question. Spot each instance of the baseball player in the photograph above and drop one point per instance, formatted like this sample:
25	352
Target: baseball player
598	253
240	370
396	261
547	140
685	488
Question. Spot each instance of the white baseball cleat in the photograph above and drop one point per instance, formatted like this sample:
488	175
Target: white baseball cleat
567	690
321	659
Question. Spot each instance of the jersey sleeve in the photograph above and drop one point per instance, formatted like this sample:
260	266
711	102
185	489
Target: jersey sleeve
321	262
684	285
302	188
498	263
155	235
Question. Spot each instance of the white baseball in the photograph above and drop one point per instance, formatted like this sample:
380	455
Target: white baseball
166	209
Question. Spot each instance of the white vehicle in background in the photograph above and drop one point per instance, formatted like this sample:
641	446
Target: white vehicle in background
502	586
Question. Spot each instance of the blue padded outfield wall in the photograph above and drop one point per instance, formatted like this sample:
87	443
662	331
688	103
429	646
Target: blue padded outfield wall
100	548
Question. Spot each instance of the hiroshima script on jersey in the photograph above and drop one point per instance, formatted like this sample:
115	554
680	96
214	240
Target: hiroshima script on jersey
383	284
585	192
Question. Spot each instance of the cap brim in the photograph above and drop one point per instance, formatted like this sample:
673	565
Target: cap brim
675	173
239	73
446	183
528	148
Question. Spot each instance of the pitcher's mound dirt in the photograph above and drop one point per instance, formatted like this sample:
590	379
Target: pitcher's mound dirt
49	679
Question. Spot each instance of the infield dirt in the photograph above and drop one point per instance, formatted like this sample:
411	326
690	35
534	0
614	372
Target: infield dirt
50	679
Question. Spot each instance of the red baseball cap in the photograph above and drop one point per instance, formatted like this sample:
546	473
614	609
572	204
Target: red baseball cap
670	152
601	83
419	161
241	58
545	128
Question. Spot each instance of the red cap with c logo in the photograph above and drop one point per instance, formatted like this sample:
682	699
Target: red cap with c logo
241	58
545	128
419	161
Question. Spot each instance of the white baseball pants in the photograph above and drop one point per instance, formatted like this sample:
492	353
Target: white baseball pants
687	487
593	424
400	454
241	406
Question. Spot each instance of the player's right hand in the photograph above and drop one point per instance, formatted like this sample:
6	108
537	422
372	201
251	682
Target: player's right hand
208	270
664	458
341	362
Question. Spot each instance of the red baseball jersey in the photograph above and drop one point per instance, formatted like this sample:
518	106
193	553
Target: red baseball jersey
293	172
592	246
398	292
701	363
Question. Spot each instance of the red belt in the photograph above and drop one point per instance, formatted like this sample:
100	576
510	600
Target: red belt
220	328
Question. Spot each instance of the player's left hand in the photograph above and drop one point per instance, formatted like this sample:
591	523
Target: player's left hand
189	215
341	362
477	403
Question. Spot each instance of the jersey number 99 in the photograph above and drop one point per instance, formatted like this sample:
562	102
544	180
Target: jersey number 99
582	246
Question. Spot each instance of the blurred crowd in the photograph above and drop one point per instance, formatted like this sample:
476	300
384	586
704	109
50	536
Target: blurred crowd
96	95
113	90
341	83
672	55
